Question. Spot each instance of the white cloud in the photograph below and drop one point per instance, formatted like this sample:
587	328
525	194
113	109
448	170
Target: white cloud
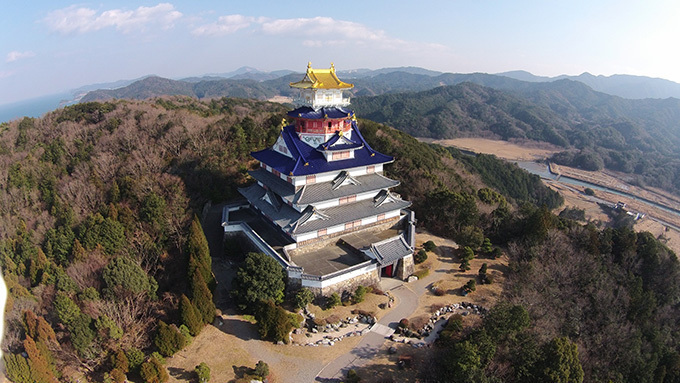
81	20
16	55
225	25
314	32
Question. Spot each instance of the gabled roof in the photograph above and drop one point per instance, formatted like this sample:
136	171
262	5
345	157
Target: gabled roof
321	79
339	141
391	250
307	160
310	113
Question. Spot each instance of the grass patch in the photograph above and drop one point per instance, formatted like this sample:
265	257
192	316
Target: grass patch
249	318
422	273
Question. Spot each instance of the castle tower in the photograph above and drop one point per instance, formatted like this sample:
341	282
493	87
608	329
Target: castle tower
321	179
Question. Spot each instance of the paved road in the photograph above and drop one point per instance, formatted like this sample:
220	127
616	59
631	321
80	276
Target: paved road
406	297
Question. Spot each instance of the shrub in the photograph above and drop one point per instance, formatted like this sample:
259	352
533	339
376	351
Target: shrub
403	323
190	316
352	377
420	256
118	376
153	371
453	327
589	191
422	273
438	291
464	265
135	358
303	297
273	322
429	246
260	278
261	370
202	372
359	294
333	301
470	286
168	339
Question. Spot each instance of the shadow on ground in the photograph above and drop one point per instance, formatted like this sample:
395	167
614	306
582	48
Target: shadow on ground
181	374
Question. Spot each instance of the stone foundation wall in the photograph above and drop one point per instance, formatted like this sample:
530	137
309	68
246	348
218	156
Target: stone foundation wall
406	267
350	285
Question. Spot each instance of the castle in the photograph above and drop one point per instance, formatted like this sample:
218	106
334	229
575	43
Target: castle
320	204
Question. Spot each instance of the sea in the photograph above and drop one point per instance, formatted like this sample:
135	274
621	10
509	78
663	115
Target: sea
35	107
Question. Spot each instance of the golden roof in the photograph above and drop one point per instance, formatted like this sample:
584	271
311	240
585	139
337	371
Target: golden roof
321	79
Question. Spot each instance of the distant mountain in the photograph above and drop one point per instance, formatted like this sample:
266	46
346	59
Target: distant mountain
361	73
638	137
626	86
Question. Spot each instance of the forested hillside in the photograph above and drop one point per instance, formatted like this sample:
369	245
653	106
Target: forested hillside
638	137
103	259
109	272
579	303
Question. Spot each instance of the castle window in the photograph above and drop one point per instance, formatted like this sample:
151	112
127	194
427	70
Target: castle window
381	216
276	172
321	232
311	179
370	169
330	124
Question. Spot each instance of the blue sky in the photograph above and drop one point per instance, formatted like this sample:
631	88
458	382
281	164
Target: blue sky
53	46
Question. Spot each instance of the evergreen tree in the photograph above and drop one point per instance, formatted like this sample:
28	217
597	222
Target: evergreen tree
41	372
197	246
202	298
120	361
560	362
168	339
190	316
152	371
260	278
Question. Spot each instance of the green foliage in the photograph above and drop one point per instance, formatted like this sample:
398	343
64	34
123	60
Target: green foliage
197	246
332	301
359	294
453	327
487	247
468	254
429	246
152	371
303	297
124	276
91	112
274	322
168	339
352	376
464	265
259	278
504	321
470	286
261	369
67	310
422	273
17	368
118	376
120	361
560	362
589	192
461	364
202	373
202	298
135	358
573	213
190	316
420	256
107	326
97	230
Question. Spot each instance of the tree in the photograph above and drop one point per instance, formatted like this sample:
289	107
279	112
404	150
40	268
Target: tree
120	361
118	376
260	278
152	371
352	376
202	298
420	256
197	247
124	276
429	246
202	372
190	316
168	339
274	322
560	362
333	300
303	297
261	370
359	294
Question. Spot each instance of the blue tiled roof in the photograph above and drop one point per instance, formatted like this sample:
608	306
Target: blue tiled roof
330	112
331	146
308	160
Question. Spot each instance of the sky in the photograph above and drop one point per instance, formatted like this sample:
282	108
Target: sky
52	46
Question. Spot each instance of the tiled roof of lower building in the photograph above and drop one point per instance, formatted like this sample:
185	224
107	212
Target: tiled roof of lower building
391	250
337	215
